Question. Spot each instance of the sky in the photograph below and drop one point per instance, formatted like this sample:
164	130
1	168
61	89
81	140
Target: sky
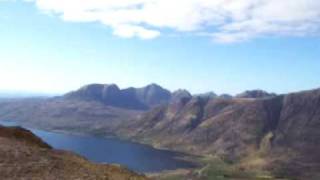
54	46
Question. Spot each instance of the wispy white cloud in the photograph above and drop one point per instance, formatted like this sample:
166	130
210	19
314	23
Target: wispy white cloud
223	20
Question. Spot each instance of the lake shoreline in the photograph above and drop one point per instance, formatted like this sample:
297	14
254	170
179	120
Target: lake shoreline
179	156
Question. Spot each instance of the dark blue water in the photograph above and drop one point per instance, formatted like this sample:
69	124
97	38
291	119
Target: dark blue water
138	157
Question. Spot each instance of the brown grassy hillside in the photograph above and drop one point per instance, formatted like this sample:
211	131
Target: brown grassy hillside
25	156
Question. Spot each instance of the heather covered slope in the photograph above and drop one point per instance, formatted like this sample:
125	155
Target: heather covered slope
25	156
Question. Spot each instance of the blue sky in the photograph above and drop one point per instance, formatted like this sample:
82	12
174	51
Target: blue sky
42	52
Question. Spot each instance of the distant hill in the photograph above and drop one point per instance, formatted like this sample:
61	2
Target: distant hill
22	94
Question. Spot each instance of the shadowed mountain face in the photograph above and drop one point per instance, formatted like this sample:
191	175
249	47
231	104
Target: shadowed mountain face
130	98
25	156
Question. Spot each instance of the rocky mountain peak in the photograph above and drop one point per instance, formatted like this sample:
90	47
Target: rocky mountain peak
207	95
130	98
255	94
225	96
180	94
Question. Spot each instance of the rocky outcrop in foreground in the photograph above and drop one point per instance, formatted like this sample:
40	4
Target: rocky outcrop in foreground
25	156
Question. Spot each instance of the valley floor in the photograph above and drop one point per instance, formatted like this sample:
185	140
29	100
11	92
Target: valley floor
213	168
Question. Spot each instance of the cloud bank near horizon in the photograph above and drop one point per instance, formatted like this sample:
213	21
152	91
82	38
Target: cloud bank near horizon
225	21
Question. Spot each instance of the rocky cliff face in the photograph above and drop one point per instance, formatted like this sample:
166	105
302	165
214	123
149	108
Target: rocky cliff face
25	156
282	130
217	126
298	135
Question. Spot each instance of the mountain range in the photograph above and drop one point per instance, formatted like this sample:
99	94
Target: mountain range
130	98
274	133
254	130
143	98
